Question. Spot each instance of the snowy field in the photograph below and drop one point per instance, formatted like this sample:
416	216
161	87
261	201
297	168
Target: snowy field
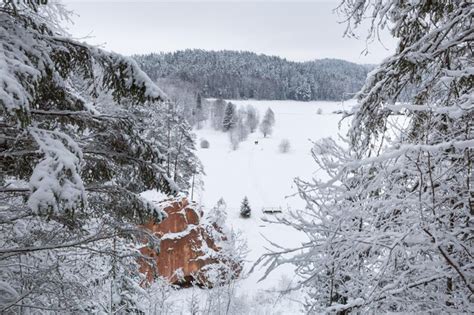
265	176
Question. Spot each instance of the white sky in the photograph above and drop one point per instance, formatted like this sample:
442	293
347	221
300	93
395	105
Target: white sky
296	30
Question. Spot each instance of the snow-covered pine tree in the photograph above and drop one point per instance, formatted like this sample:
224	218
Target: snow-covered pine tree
230	118
389	231
245	210
74	161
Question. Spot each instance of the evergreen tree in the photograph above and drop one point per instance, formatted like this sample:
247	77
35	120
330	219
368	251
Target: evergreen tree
217	113
75	156
245	210
199	112
230	117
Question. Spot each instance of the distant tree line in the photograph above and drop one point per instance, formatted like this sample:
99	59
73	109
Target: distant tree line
246	75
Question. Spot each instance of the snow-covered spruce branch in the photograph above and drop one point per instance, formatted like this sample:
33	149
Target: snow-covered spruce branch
87	240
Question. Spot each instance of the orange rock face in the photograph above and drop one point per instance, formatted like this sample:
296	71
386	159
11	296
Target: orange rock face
183	239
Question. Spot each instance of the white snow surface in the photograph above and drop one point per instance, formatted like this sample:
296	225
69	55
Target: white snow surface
265	176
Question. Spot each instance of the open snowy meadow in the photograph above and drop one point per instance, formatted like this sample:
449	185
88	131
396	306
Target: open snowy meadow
258	170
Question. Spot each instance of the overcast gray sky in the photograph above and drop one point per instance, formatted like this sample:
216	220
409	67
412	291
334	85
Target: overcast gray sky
296	30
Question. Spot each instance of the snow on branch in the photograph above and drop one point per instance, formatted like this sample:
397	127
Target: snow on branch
56	183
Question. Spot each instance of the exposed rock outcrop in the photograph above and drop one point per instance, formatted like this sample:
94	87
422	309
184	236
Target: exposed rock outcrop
187	247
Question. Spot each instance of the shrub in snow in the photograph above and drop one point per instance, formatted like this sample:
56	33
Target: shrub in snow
204	144
245	210
284	146
319	111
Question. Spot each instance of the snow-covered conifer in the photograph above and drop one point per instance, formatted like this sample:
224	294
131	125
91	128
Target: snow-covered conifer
76	158
230	117
245	210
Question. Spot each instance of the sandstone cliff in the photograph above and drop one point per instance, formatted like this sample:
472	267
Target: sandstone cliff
187	248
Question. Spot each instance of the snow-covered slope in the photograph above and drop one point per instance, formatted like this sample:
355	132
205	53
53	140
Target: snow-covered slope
265	176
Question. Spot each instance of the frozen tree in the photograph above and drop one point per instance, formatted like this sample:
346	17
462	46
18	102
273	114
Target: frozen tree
183	95
157	297
218	214
245	209
390	229
234	139
241	126
252	118
284	146
167	127
75	156
266	126
217	113
269	116
199	113
222	276
230	117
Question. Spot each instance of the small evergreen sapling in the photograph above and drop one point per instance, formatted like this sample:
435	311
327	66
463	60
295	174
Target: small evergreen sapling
245	209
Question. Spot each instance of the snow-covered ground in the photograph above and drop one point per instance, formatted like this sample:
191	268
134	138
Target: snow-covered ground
265	176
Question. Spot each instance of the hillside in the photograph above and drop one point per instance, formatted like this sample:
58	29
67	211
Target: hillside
246	75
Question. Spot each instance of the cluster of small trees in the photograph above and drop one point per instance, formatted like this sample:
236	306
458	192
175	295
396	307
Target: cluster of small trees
238	123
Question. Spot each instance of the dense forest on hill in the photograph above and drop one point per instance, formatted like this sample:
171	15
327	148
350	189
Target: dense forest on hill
242	75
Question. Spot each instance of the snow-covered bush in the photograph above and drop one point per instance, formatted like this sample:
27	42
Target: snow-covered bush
284	146
319	111
204	144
